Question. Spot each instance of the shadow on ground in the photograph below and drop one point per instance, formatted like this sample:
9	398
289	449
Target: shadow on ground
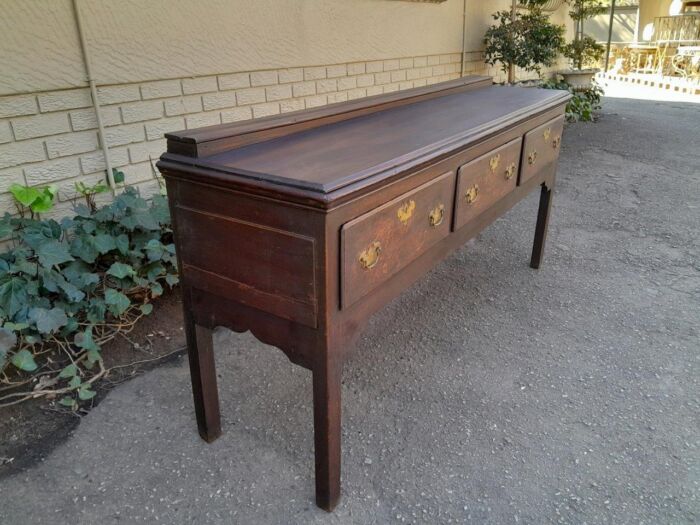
488	393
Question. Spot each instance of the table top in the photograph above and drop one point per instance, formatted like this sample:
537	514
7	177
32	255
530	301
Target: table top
327	158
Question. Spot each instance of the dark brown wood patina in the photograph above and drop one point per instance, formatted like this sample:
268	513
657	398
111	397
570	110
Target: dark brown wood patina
298	227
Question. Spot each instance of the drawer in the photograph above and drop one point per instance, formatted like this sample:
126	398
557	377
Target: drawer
541	149
485	180
379	243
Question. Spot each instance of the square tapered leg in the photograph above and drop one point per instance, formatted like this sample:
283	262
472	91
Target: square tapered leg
327	428
200	351
541	226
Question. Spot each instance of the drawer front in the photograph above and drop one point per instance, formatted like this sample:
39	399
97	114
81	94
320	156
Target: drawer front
485	180
541	149
379	243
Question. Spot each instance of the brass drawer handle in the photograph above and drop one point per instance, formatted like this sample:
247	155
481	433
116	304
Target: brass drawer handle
370	257
556	142
437	215
532	157
510	170
547	133
405	212
472	194
493	163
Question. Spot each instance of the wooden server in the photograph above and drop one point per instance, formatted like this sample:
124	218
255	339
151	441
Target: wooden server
298	227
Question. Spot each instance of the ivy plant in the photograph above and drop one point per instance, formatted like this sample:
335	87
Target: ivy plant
68	287
33	200
583	104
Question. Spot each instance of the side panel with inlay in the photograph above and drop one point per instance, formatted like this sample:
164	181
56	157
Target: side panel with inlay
240	260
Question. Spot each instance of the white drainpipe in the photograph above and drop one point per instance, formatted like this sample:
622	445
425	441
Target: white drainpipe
464	38
93	92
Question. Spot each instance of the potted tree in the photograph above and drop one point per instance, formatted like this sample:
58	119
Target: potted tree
524	39
583	52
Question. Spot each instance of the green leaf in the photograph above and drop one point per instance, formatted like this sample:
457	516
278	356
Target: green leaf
83	211
121	270
8	340
70	328
24	194
48	321
34	233
68	371
122	243
154	270
68	401
146	309
24	360
88	226
52	253
45	201
116	301
84	393
93	356
172	279
104	243
85	341
72	292
83	246
118	176
140	219
22	265
156	290
13	295
96	310
50	279
6	227
79	274
75	381
15	327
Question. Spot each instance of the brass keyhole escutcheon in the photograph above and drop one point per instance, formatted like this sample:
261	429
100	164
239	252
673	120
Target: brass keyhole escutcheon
370	257
547	133
437	215
472	194
405	212
493	163
556	142
510	171
532	157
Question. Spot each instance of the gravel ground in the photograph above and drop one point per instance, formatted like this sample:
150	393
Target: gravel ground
488	393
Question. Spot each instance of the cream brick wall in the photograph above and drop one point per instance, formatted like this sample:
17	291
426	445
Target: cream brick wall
51	137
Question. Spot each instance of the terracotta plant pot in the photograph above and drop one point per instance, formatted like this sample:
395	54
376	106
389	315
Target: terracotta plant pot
579	79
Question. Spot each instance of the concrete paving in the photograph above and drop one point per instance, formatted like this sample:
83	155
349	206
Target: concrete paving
488	393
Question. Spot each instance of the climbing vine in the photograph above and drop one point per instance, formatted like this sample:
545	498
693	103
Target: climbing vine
68	287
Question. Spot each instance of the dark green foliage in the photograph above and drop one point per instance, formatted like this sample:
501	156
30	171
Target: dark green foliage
585	9
582	107
66	284
584	51
527	40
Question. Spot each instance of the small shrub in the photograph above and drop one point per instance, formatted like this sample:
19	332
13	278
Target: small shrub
68	287
583	105
526	40
584	51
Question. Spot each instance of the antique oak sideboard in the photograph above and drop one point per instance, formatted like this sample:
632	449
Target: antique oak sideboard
298	227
